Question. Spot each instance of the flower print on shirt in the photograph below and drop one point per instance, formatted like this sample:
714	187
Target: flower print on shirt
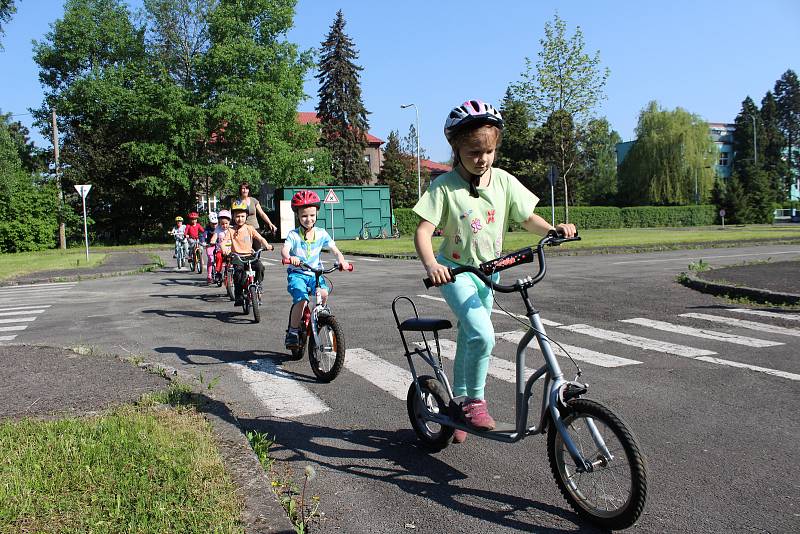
490	216
476	225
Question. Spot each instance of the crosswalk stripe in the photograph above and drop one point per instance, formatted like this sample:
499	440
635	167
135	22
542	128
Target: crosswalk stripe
13	328
750	325
763	313
277	390
21	312
34	292
636	341
17	320
7	338
702	333
389	377
25	308
545	322
767	370
498	367
578	353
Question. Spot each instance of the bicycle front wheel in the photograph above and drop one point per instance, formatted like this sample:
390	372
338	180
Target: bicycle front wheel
198	262
327	359
255	303
613	494
229	284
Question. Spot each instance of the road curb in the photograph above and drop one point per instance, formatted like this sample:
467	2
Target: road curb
262	512
79	277
720	289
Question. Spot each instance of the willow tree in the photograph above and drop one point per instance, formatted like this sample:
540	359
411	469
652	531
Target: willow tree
671	162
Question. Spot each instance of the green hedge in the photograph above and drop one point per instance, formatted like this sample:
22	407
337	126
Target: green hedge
602	217
406	220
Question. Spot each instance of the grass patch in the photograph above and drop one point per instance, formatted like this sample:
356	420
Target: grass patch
292	496
20	263
624	237
136	469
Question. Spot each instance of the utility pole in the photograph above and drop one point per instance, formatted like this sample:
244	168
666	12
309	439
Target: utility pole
62	235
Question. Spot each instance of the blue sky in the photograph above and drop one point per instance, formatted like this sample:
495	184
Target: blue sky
703	56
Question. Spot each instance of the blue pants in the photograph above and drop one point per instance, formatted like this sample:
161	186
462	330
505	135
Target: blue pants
301	285
471	302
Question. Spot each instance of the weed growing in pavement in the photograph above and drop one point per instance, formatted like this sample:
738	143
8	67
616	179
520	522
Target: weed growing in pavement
177	394
747	301
211	383
292	497
699	266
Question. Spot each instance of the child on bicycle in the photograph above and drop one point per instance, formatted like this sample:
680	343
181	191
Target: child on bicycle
303	245
241	236
205	239
179	232
473	204
223	246
193	230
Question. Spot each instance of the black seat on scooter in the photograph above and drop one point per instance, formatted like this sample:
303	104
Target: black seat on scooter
422	324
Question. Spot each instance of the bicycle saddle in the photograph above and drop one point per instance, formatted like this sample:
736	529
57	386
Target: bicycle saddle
422	324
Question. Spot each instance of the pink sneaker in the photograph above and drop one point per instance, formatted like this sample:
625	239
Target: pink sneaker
459	436
477	415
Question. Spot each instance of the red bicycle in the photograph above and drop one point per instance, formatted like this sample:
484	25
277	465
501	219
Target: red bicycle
326	346
251	293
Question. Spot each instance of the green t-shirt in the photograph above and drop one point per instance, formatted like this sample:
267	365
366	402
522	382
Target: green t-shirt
472	227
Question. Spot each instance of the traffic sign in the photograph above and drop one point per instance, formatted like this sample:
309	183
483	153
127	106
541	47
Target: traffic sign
331	197
722	213
83	190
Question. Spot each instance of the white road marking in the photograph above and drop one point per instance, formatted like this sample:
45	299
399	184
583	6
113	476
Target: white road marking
12	328
21	312
545	322
767	370
750	325
25	308
578	353
702	333
636	341
361	258
17	320
389	377
763	313
7	338
37	292
498	367
706	257
48	284
277	390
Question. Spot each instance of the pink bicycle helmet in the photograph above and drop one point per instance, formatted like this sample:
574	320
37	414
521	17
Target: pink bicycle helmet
224	214
305	198
471	112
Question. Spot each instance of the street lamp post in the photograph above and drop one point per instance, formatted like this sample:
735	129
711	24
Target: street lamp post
419	181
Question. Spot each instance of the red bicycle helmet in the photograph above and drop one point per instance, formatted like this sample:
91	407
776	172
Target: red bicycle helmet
194	215
305	198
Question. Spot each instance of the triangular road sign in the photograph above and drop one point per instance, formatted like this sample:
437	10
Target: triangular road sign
331	197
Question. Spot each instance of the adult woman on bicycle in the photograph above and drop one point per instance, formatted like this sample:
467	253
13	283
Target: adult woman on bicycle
472	204
253	208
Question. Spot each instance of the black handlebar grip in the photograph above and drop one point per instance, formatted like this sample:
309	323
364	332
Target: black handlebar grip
429	283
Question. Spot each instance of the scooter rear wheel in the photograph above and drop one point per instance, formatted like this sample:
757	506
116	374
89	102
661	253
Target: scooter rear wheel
435	398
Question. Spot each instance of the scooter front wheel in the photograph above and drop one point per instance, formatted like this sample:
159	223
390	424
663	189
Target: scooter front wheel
435	399
614	492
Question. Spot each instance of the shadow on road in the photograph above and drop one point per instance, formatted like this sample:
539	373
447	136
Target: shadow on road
230	317
201	356
399	461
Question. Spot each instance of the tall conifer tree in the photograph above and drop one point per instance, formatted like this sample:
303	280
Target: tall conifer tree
341	111
399	173
774	142
787	96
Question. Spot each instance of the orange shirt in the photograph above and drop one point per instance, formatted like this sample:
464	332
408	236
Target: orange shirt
241	238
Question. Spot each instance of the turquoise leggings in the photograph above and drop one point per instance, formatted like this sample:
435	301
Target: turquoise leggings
471	302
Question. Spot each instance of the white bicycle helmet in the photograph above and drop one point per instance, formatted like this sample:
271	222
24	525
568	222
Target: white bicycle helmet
474	112
212	217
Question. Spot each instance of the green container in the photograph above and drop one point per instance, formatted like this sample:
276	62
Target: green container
359	208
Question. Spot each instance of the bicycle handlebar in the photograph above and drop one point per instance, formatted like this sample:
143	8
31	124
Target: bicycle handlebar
518	257
248	257
336	267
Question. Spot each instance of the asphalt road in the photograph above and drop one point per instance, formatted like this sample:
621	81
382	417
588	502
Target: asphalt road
720	438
